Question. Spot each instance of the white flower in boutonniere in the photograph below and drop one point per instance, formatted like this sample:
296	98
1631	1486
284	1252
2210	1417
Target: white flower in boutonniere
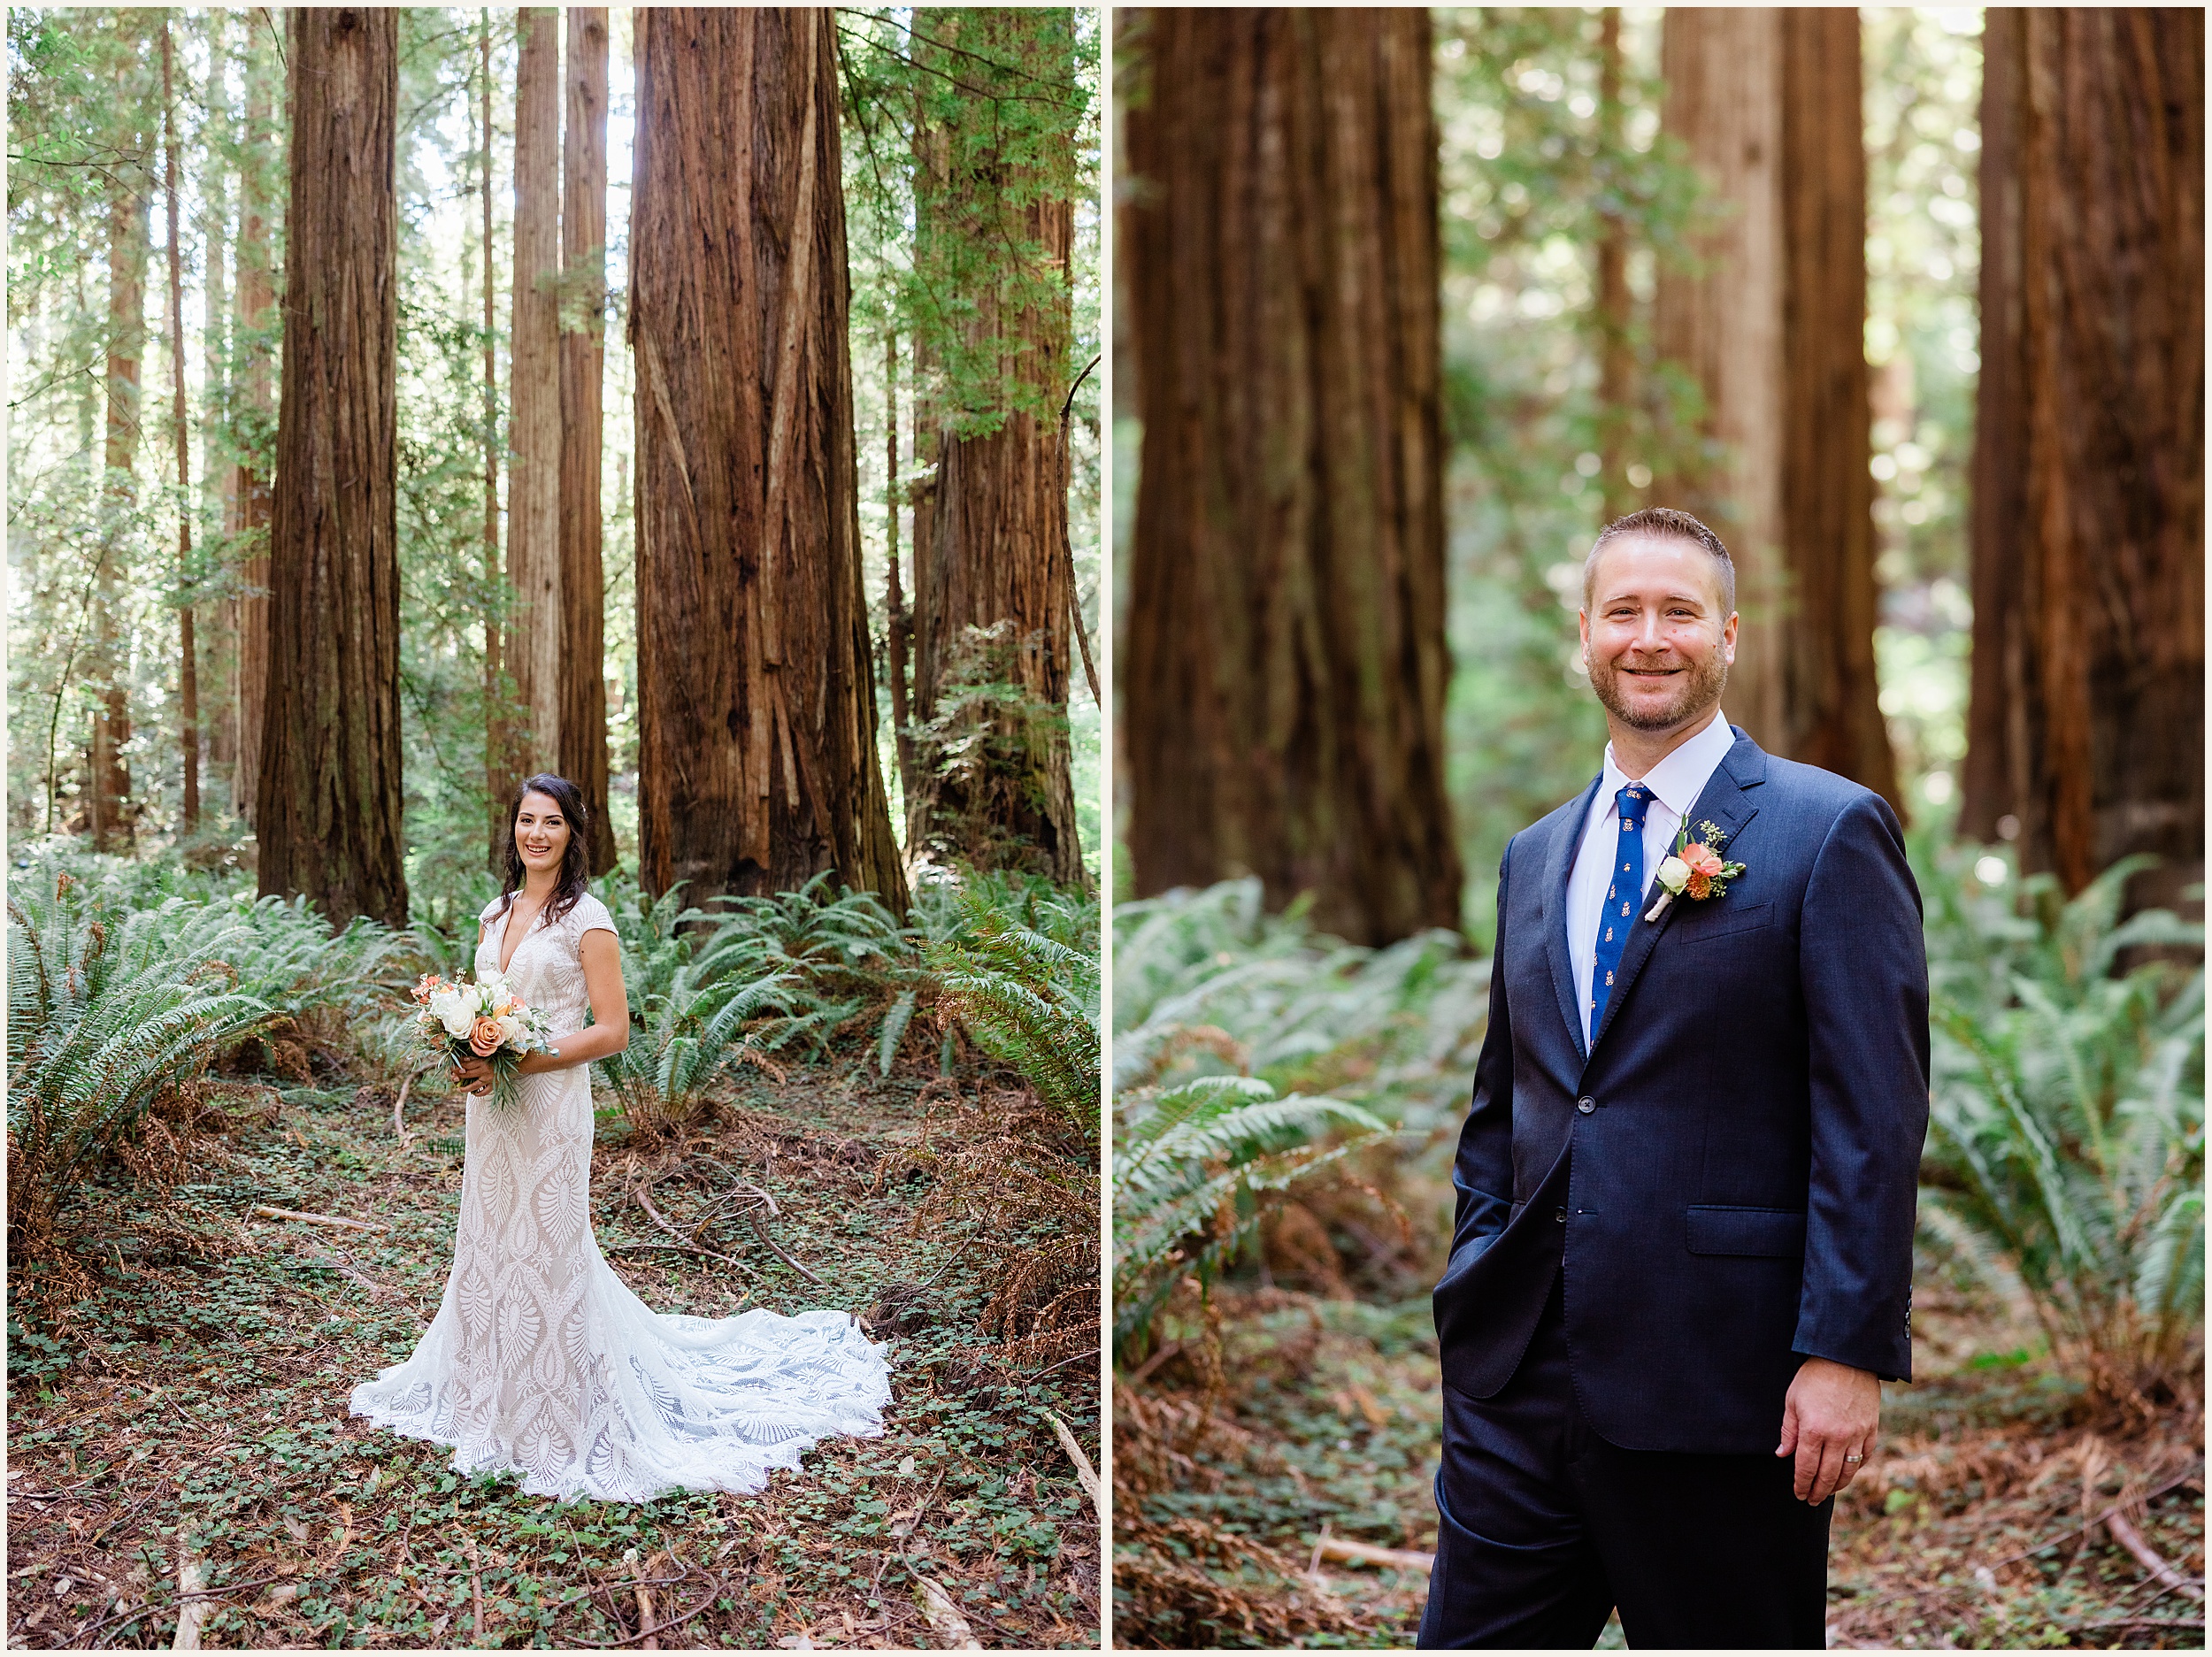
1695	868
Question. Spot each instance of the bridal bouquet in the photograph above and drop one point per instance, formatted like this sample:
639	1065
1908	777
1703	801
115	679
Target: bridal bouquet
484	1020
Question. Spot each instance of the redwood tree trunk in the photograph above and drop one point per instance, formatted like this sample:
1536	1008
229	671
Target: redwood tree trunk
757	698
331	784
188	646
249	485
499	771
1772	329
2086	724
1830	694
1284	676
583	682
220	629
107	804
534	398
1615	310
991	584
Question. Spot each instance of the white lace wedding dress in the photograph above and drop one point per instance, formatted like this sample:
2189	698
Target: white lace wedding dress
541	1362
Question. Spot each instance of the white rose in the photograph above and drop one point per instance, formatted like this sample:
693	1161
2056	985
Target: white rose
1674	874
454	1010
511	1028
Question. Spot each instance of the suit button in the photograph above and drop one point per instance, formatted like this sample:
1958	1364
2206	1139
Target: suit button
1561	1217
1585	1106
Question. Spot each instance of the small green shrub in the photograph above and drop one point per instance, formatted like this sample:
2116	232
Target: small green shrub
1017	967
2066	1134
1194	1170
107	1010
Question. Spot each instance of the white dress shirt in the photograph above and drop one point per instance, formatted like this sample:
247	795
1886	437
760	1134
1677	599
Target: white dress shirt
1675	783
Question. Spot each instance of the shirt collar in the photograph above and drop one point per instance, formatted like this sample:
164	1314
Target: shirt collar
1678	779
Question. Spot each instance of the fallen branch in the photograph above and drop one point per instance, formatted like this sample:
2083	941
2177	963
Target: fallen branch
661	1220
191	1579
345	1268
943	1616
657	1628
761	1231
399	1127
125	1621
2129	1538
1143	1371
476	1585
1085	1474
647	1627
265	1211
2087	1524
1367	1554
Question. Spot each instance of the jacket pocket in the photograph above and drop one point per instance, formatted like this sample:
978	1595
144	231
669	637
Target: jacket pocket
1779	1232
1724	922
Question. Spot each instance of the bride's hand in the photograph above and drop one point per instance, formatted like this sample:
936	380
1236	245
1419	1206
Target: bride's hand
473	1074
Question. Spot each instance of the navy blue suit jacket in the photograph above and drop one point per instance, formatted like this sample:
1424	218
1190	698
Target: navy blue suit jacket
1728	1172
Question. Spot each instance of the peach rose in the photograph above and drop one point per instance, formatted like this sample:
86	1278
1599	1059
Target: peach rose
484	1037
1704	863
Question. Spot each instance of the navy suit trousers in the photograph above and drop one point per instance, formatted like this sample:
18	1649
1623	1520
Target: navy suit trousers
1544	1528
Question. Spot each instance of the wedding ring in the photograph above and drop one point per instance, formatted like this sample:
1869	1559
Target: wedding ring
1855	1458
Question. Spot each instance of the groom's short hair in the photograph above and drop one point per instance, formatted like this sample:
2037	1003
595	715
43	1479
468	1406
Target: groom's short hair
1664	523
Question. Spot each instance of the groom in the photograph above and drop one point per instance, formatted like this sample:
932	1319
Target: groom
1681	1265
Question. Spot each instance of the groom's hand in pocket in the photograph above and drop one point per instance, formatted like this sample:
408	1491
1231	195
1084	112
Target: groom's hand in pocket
1829	1424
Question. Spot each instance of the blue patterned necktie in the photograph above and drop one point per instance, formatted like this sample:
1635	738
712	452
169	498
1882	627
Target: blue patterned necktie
1621	898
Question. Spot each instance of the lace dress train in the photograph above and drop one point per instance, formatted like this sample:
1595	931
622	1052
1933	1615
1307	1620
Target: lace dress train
542	1362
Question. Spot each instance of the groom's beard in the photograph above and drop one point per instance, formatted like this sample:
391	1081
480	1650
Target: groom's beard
1699	687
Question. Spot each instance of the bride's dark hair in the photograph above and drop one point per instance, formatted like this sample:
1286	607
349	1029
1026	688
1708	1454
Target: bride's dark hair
570	886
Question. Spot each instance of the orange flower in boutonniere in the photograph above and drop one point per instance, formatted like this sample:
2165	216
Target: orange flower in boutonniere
1696	868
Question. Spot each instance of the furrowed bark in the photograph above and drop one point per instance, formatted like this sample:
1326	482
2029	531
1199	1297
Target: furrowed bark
250	484
331	784
583	683
534	399
1773	328
991	526
757	695
2087	710
1285	663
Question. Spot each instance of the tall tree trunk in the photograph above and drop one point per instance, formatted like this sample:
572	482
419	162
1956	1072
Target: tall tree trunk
221	651
249	485
533	397
188	646
2086	722
1617	358
583	665
1722	322
1997	496
1773	328
331	784
756	696
1829	693
109	804
899	621
1283	684
499	775
991	585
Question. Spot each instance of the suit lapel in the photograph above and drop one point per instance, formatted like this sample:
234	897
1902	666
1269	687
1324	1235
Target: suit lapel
1557	867
1727	804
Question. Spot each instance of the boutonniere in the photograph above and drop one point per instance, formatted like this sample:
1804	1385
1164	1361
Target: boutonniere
1695	868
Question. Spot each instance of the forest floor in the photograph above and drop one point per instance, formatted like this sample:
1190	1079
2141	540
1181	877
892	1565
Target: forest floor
194	1401
1980	1522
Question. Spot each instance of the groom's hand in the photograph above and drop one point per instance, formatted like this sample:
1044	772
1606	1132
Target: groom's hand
1828	1423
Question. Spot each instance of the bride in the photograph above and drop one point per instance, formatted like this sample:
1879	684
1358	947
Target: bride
541	1362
